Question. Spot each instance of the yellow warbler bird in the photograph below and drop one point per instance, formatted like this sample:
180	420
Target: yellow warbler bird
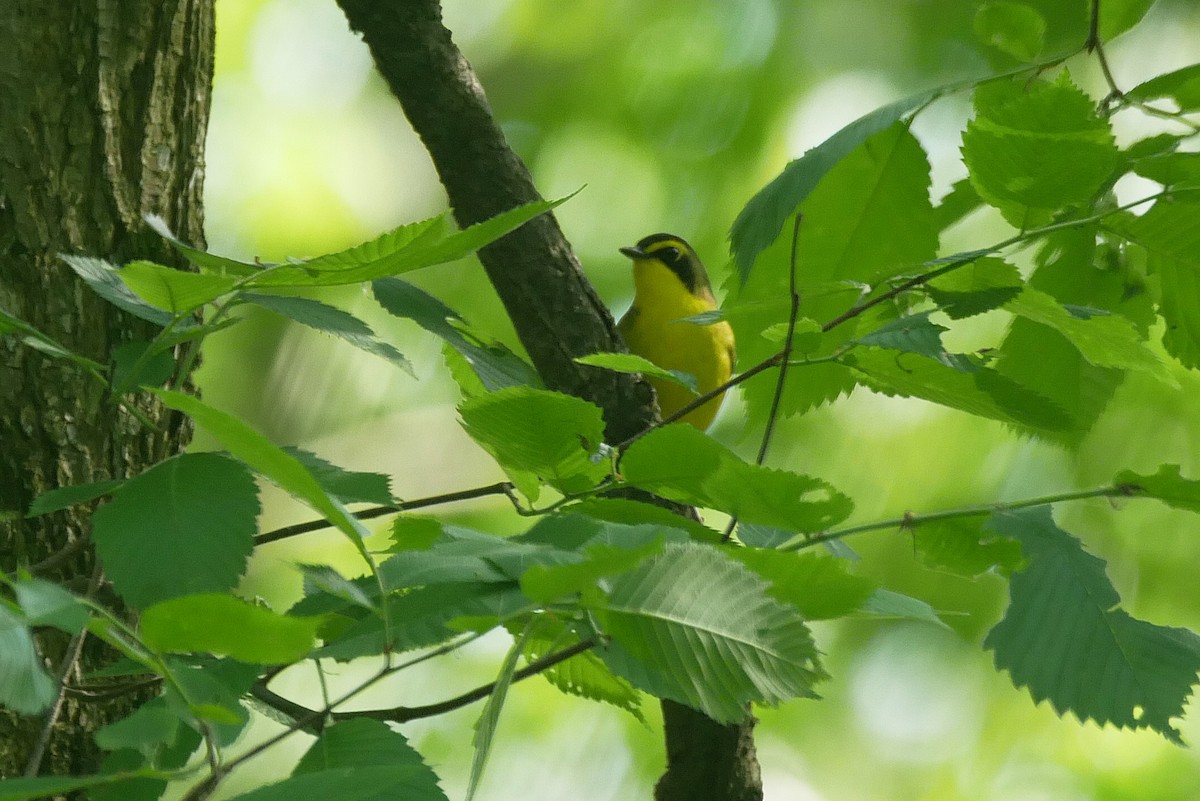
670	283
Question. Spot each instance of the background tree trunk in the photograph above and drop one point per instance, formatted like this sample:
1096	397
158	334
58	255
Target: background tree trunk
103	112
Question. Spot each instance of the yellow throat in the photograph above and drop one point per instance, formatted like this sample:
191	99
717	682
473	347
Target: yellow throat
670	283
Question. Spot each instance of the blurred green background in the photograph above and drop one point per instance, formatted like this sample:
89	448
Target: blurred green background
672	115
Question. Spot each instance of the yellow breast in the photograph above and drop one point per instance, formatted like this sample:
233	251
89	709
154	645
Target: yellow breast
652	329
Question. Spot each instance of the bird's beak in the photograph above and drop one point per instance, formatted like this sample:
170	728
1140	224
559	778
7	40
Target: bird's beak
634	252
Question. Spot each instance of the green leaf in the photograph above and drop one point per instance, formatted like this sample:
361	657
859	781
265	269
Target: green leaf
47	604
135	364
206	261
147	728
43	342
584	674
172	290
820	587
914	333
423	617
105	281
869	219
1181	85
348	486
962	546
494	364
66	497
552	436
193	517
1171	169
43	787
227	626
1167	485
894	606
1034	148
489	718
452	562
1012	28
545	583
632	363
1172	241
324	579
330	320
398	252
761	221
355	783
1118	16
984	392
363	743
630	512
1063	638
25	686
700	629
1105	340
267	458
683	464
978	287
957	204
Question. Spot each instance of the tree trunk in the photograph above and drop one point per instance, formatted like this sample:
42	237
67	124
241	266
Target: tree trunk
103	111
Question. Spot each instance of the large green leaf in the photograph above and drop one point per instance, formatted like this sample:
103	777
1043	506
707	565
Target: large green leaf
1064	638
539	436
701	629
761	221
868	220
1034	148
683	464
193	517
223	625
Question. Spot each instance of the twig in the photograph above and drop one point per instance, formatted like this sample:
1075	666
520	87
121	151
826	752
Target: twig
910	520
500	488
785	357
403	714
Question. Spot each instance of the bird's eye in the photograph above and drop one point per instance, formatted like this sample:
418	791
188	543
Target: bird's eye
669	254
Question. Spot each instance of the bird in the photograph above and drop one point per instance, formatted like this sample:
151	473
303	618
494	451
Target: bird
670	283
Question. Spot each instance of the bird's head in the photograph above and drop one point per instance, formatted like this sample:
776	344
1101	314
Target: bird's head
676	255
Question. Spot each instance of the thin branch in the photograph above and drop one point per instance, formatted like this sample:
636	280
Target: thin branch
909	520
70	658
305	717
500	488
784	362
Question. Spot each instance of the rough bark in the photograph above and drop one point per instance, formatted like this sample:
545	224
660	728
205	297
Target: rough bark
556	312
103	111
